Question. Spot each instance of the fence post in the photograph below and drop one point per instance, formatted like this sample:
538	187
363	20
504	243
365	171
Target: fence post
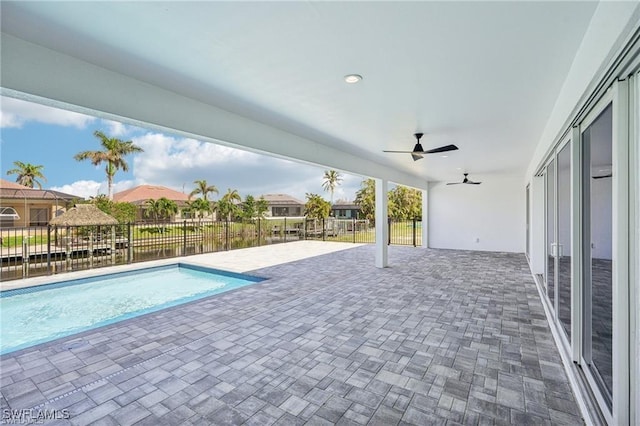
389	231
284	229
324	231
48	249
114	246
91	249
226	236
259	230
129	243
353	228
414	232
67	250
184	238
25	257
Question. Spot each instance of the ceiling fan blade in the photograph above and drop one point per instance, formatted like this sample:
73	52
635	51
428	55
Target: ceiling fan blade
416	157
454	183
399	152
602	177
441	149
473	183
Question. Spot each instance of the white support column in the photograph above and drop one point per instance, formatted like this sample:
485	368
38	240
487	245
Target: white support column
382	227
425	217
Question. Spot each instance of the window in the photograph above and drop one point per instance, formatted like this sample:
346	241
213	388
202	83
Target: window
38	217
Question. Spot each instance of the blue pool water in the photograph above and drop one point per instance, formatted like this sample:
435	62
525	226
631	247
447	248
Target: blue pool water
40	314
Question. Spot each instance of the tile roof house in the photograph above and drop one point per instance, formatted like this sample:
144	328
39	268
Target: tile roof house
283	205
31	207
34	207
140	194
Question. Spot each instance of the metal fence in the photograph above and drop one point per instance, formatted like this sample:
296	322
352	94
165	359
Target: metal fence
35	251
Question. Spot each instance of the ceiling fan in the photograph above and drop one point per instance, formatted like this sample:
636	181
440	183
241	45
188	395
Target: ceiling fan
465	180
603	176
417	152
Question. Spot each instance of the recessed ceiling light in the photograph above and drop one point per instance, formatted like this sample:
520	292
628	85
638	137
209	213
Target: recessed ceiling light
352	78
444	156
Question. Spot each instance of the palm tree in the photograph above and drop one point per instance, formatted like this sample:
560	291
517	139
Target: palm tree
198	207
316	207
332	179
227	204
203	188
161	208
113	154
28	174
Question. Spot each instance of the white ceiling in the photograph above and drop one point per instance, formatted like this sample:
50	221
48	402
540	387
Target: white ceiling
481	75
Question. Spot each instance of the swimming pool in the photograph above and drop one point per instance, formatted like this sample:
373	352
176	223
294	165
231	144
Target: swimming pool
34	315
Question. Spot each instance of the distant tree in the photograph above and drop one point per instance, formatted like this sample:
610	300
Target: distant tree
28	174
366	199
262	206
161	208
198	207
249	208
102	202
203	188
123	212
405	203
227	206
316	207
113	154
331	180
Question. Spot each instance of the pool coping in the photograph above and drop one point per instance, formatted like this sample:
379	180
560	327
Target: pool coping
219	262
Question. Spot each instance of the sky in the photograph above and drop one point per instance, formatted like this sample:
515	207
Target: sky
42	135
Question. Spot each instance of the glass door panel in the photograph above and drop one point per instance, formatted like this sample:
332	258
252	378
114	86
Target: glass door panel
528	207
551	239
563	258
597	143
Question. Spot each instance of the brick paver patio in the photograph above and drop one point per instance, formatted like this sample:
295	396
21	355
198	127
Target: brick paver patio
441	337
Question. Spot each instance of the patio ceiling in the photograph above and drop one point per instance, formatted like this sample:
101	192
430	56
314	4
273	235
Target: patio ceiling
482	75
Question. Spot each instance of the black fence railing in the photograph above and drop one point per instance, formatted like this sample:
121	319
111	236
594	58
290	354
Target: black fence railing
406	232
35	251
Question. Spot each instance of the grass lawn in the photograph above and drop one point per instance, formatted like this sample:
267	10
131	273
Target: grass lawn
17	240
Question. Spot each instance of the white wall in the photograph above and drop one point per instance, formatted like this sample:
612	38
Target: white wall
493	213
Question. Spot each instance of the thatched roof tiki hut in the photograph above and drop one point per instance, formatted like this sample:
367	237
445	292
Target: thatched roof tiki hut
81	217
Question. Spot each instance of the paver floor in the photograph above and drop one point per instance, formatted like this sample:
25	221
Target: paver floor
440	337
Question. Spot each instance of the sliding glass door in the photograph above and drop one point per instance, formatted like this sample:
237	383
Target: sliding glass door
597	259
563	239
558	237
552	246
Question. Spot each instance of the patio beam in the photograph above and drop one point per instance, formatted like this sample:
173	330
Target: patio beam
35	73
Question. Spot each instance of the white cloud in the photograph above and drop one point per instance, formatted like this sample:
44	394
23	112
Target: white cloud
91	188
177	162
118	130
15	113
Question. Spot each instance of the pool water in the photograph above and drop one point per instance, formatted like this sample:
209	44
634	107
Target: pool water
40	314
